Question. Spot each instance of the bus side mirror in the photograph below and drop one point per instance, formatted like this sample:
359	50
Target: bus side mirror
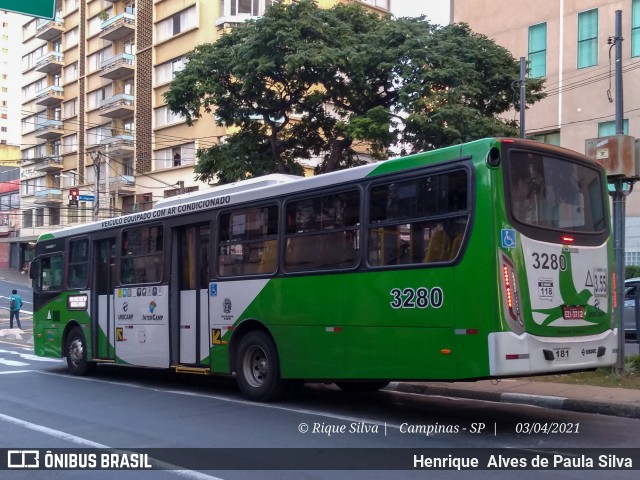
33	270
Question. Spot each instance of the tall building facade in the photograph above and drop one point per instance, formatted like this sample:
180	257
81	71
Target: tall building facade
10	54
569	43
94	115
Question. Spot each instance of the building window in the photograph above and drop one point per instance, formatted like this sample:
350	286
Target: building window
550	138
70	108
606	129
71	72
54	216
176	24
164	117
39	217
167	71
588	38
176	156
635	28
27	218
632	258
538	50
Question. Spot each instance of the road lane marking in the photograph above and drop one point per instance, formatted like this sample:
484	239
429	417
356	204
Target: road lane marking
68	437
16	371
32	357
12	363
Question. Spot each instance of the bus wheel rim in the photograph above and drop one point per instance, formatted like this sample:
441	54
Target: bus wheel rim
76	351
256	367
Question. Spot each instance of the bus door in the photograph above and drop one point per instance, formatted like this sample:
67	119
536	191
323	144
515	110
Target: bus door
191	259
102	314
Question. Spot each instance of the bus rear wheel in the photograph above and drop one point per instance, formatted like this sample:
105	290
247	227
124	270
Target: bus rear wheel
76	353
258	368
366	386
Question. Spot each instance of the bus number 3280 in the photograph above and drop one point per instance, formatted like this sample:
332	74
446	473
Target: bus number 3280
417	298
544	261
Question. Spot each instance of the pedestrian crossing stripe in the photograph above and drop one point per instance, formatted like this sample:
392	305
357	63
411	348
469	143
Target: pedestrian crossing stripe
119	334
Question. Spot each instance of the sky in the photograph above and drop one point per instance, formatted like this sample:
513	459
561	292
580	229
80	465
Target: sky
437	11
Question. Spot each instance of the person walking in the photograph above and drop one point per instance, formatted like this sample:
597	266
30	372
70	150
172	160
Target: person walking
15	304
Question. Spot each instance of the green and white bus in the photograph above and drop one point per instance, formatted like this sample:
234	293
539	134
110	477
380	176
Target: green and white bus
485	260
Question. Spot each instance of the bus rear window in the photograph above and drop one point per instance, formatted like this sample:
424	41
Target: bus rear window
556	193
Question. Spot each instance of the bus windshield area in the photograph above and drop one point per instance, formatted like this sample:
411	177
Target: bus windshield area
552	192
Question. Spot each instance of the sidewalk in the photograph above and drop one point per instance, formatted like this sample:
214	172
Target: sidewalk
621	402
15	276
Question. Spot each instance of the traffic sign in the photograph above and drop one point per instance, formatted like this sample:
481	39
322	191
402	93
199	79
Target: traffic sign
86	198
35	8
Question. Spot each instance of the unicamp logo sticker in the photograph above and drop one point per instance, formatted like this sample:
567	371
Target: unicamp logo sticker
152	306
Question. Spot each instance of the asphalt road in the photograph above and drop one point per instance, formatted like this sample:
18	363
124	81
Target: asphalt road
42	406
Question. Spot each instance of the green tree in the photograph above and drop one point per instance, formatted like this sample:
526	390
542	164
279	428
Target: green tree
303	82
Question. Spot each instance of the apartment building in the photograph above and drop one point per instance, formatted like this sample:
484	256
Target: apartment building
94	115
568	43
10	54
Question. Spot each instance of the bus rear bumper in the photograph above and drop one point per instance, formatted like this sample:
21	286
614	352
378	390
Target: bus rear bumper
526	354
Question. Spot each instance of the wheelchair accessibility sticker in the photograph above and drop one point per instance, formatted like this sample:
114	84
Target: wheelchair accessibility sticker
508	236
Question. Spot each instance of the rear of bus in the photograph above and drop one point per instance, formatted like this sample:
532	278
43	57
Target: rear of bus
556	263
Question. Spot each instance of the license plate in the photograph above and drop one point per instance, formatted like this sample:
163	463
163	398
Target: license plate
573	313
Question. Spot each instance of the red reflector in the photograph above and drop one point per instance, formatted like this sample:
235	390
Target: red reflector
445	351
230	327
506	140
567	239
472	331
512	356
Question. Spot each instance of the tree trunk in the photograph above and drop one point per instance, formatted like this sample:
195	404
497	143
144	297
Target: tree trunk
337	149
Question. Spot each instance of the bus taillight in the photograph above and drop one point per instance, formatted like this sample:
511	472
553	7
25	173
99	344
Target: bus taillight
511	290
507	285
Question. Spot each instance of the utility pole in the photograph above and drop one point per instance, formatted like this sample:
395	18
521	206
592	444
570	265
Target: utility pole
622	188
523	93
96	200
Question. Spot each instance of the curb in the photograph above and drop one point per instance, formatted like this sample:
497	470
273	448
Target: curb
545	401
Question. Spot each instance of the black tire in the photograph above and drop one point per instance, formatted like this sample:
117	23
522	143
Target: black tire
76	353
258	368
366	386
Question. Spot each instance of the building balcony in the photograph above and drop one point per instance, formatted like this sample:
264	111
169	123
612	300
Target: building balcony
50	96
49	29
50	63
118	146
123	185
118	27
49	164
49	129
51	196
118	106
118	67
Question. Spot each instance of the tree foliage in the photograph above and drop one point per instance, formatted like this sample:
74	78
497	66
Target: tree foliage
342	84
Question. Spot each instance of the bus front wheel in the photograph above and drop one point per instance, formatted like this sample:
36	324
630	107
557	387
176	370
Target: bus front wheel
258	368
76	353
